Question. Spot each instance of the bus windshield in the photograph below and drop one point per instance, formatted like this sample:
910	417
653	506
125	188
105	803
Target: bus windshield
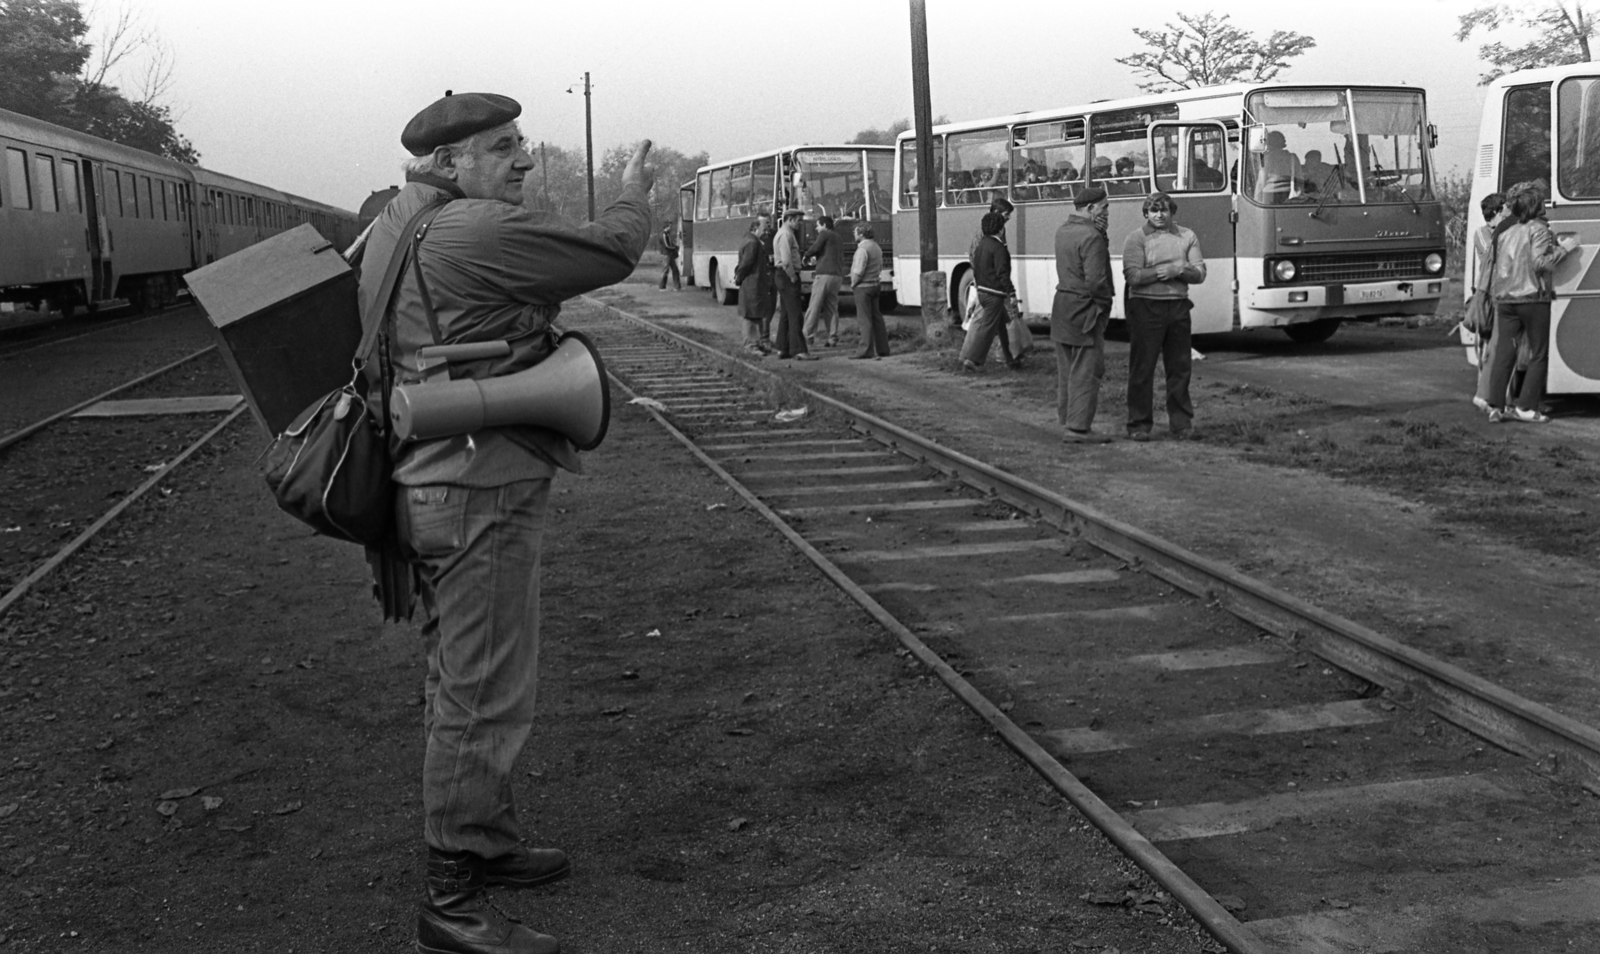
1335	147
829	182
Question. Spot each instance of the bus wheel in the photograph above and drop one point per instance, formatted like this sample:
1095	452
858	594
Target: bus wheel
1311	332
967	298
719	293
887	302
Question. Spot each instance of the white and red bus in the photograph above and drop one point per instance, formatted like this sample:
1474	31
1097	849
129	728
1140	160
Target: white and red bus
1545	125
850	183
1314	205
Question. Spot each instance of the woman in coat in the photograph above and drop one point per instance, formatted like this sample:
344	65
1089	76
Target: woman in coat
757	293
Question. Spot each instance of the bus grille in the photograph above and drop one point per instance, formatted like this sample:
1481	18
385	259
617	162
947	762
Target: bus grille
1372	267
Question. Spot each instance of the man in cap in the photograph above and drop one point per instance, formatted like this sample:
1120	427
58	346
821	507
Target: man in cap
471	509
1079	314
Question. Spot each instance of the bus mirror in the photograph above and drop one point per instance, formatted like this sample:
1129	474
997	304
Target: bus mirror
1433	136
1256	138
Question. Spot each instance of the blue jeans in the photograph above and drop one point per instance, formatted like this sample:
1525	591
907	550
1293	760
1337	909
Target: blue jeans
478	553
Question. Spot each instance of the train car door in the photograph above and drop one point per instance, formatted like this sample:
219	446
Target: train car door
205	225
99	230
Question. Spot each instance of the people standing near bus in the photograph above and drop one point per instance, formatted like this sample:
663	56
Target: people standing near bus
786	275
991	266
753	275
1160	260
822	318
865	273
1003	206
1525	256
1079	314
669	251
1493	207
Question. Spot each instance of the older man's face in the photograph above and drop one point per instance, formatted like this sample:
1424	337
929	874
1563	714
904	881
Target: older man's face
497	166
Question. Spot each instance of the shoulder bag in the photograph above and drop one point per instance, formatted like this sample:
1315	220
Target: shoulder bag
331	468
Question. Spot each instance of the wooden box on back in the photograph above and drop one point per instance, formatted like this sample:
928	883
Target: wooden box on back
287	321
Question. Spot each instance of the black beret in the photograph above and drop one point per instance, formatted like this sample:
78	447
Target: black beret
1088	196
453	118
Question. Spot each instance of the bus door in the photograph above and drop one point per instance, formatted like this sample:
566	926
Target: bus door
1189	161
1574	215
99	230
686	231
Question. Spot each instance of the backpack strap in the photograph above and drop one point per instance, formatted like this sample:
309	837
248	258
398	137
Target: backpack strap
374	315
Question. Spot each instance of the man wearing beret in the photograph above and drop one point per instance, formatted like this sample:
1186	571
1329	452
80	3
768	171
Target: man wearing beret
1079	314
470	509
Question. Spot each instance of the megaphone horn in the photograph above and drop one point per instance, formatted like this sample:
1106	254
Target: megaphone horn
568	393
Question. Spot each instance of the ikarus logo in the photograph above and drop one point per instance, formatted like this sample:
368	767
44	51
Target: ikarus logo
1391	233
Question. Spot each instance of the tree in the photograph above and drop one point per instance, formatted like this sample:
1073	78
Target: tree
41	52
1208	49
558	181
886	137
49	71
1561	32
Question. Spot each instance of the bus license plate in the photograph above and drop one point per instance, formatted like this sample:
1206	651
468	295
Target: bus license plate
1372	294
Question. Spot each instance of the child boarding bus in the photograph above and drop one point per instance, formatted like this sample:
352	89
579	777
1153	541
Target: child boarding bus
850	183
1544	125
1325	213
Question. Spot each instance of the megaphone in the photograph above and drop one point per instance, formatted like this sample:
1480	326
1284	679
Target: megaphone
568	392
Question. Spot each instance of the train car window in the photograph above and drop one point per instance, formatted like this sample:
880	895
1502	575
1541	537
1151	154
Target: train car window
149	198
45	166
114	199
17	177
130	193
166	202
233	211
71	187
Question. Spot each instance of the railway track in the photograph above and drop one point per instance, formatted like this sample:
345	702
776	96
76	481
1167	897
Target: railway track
58	471
1297	781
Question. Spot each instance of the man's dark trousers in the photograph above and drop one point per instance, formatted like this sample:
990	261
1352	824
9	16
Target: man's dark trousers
1158	328
790	315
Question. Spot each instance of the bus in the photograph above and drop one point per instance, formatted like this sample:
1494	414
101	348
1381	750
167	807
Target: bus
1313	204
1544	125
849	182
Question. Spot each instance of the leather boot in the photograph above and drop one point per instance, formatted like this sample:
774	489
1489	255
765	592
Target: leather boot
526	868
454	919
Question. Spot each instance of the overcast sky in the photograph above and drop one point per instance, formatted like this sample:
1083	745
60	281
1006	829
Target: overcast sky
310	96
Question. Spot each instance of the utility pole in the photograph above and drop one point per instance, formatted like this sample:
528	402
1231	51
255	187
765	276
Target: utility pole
588	137
544	170
935	323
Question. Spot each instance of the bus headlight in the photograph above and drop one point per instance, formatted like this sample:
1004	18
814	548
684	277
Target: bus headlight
1434	263
1283	270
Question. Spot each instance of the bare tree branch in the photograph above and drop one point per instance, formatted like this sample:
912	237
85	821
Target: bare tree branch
1560	32
1206	49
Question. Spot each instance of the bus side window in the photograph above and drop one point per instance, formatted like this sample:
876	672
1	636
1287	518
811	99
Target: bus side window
1047	161
909	182
702	196
1578	132
763	176
1121	163
719	193
979	166
739	191
1525	146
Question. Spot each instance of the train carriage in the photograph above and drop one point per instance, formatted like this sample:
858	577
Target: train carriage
83	220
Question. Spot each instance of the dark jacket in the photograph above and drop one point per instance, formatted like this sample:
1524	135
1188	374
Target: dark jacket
1083	281
991	267
829	253
753	274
